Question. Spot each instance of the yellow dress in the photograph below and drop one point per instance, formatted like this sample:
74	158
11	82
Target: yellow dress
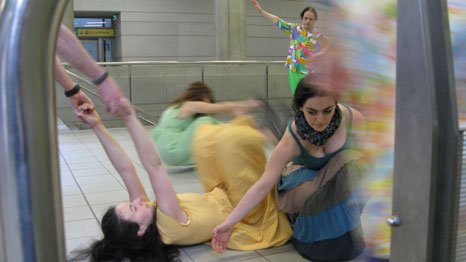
231	157
205	212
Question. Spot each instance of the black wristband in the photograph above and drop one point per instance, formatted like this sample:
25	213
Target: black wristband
73	91
99	80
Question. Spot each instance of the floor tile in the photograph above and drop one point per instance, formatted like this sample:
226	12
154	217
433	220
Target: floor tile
74	201
286	256
79	243
85	165
183	178
97	171
256	259
70	190
107	197
82	228
100	209
275	250
101	179
95	188
184	256
67	181
77	213
204	252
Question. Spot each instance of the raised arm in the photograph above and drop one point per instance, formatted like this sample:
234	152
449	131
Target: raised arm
165	195
284	151
115	153
272	18
235	108
70	49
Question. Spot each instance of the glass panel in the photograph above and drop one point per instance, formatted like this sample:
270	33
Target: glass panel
91	48
107	50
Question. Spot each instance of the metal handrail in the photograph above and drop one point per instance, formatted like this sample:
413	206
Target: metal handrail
188	63
31	222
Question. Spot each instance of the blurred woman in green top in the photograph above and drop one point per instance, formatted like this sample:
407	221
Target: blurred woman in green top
173	134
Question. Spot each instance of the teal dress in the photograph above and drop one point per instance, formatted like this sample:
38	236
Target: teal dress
327	226
173	136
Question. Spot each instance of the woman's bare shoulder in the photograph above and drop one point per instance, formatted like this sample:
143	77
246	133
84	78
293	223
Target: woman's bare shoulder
357	116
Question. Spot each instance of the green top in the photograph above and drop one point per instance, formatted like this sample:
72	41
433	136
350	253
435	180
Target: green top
173	136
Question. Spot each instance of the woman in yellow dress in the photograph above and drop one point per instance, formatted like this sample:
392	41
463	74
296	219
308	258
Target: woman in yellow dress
229	157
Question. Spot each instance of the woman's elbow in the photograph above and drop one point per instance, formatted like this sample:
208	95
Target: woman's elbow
264	186
155	166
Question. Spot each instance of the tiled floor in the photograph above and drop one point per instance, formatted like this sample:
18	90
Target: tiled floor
90	185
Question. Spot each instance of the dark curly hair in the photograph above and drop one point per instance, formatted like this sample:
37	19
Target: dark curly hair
306	89
122	242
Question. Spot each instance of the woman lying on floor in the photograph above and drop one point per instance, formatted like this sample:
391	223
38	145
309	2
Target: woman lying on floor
230	158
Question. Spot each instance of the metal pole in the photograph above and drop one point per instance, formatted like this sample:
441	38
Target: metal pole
30	206
426	134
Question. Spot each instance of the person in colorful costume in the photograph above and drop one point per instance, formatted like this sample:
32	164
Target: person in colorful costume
230	159
316	187
304	42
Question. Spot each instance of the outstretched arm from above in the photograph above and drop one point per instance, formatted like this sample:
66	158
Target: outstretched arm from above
235	108
272	18
119	159
165	195
70	49
284	151
67	83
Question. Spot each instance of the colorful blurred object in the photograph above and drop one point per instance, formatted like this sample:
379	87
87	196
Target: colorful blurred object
457	18
363	33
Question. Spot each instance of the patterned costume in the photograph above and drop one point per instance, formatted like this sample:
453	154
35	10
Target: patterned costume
303	44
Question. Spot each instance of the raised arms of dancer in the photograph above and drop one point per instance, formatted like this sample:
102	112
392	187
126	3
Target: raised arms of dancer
70	49
236	108
164	192
115	153
284	151
272	18
165	195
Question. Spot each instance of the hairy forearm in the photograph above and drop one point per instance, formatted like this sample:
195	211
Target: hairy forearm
69	47
62	77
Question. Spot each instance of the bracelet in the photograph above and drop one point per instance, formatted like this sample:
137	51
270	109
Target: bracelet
73	91
99	80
